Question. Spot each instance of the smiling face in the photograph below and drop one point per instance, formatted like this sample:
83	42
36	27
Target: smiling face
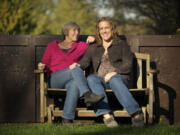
73	34
105	31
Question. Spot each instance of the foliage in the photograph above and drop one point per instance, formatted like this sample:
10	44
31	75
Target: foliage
44	16
160	17
23	16
78	11
48	16
125	26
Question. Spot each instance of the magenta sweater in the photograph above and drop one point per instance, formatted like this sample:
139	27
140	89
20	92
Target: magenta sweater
55	59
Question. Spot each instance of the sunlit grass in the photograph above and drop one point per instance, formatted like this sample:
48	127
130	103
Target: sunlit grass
87	129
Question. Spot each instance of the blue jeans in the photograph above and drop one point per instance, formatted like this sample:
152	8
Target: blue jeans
118	84
75	83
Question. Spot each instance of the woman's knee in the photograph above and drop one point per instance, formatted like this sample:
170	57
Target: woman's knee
78	69
92	79
72	88
118	79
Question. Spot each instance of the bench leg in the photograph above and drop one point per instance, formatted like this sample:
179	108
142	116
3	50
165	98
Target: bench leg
151	95
145	114
50	113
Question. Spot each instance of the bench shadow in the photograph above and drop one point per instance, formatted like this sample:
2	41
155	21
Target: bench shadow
120	130
159	87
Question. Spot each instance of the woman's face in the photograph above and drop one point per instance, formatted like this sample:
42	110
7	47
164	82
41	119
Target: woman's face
73	34
105	31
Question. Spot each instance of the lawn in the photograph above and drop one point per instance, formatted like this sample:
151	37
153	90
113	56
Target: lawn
86	129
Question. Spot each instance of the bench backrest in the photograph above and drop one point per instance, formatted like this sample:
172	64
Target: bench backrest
142	67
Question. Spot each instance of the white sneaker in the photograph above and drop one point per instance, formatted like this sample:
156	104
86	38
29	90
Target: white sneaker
110	122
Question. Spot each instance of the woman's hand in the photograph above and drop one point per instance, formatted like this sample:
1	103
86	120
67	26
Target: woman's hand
90	39
41	66
108	76
72	66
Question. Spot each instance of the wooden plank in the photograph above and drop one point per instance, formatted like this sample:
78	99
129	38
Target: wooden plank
90	113
122	113
81	108
44	40
145	113
38	71
45	99
151	96
86	113
147	69
159	40
142	56
57	113
42	105
107	90
14	40
58	90
49	115
139	71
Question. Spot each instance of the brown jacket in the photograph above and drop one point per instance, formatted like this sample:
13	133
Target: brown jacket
119	53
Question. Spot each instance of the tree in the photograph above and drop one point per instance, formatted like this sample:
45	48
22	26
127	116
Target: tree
44	16
22	16
76	10
118	15
160	17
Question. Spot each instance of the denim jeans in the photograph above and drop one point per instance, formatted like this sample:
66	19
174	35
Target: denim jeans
75	83
118	84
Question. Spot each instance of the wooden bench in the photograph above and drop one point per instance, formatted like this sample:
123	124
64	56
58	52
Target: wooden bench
143	78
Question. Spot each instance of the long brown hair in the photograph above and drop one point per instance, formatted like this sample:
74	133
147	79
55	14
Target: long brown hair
113	28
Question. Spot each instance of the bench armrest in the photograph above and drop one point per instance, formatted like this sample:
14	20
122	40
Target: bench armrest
153	71
43	86
37	71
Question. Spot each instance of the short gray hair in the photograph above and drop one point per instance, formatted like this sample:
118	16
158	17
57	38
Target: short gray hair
65	29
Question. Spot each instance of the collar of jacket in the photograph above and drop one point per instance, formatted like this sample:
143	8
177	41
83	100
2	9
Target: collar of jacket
113	43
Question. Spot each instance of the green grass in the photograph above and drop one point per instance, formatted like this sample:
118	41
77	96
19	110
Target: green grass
90	129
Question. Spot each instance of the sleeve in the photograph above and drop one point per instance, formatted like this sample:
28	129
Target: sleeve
86	59
82	48
126	66
46	59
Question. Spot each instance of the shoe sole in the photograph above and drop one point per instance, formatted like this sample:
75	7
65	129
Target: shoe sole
89	104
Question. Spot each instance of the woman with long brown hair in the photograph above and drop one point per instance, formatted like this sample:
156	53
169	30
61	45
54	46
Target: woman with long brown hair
111	60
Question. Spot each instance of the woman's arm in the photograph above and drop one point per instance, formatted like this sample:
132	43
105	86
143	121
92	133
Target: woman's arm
46	59
85	60
127	60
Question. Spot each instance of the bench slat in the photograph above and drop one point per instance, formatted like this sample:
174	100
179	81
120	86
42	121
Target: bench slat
108	90
90	113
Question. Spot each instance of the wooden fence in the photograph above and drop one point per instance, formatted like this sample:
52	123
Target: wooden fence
19	87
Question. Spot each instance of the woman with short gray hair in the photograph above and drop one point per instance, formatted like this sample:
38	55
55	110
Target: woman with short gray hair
65	29
57	59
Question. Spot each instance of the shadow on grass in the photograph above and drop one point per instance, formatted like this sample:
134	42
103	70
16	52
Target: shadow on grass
120	130
128	130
